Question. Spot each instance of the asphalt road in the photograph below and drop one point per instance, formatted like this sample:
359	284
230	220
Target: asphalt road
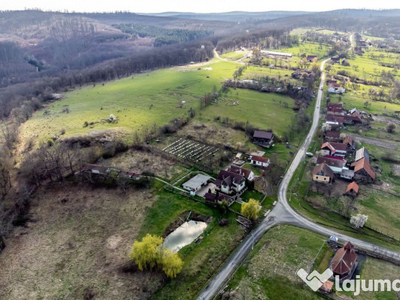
283	213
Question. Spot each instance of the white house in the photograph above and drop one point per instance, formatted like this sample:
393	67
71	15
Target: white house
259	161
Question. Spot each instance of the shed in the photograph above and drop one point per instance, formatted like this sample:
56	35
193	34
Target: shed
196	183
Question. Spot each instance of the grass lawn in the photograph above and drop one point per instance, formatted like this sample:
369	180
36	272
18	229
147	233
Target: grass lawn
200	260
270	270
235	55
263	110
351	100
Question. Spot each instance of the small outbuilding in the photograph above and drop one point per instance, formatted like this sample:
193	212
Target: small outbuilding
352	189
196	183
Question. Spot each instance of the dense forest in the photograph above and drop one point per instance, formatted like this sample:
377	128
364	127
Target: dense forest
163	36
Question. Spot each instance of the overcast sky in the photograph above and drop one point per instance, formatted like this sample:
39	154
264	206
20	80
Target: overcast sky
202	6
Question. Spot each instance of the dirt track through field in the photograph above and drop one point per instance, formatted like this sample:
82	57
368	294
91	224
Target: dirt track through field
374	142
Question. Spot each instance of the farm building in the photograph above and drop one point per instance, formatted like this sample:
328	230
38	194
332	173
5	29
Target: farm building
352	189
259	161
322	173
312	58
263	138
347	174
196	183
332	136
336	89
362	153
363	171
334	149
344	262
276	54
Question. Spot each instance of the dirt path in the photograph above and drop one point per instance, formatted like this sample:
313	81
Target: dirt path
387	120
374	142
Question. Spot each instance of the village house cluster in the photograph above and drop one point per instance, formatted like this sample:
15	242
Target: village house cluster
338	157
233	181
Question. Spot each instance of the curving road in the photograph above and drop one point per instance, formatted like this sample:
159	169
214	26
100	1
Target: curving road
283	213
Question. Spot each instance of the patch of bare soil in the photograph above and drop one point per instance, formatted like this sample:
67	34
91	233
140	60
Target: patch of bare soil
379	143
139	161
396	170
77	246
214	134
387	120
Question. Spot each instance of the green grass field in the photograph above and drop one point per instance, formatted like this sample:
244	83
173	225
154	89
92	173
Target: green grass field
235	55
263	110
154	97
351	100
270	270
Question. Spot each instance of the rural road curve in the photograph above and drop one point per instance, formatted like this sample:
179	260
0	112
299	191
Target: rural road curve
283	213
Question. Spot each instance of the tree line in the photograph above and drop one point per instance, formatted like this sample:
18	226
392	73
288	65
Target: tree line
17	95
163	36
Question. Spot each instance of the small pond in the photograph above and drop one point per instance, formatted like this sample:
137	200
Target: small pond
184	235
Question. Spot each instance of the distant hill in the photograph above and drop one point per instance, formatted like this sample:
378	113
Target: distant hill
234	16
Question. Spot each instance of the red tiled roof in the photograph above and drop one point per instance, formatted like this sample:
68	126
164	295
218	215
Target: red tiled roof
352	186
344	259
339	146
328	145
363	164
259	158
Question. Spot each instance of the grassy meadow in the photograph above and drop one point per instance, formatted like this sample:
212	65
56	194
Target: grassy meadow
155	97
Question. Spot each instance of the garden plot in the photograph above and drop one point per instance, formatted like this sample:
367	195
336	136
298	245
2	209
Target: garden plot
190	150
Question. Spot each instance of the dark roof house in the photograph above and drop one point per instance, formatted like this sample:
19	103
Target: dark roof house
345	261
263	138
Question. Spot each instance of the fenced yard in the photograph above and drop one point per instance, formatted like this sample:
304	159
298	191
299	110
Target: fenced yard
190	150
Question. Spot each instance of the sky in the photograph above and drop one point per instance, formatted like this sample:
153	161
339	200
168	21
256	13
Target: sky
202	6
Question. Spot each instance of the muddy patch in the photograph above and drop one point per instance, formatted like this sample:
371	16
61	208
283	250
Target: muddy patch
396	170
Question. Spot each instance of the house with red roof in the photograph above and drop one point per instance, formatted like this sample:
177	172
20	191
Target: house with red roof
259	161
334	149
352	189
363	171
344	263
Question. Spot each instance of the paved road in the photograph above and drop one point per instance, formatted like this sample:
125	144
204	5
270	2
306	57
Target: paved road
283	213
235	260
